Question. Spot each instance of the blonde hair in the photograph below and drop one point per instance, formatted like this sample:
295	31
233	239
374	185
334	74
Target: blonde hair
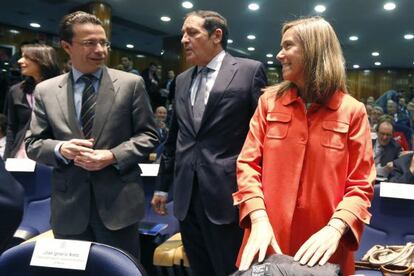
324	64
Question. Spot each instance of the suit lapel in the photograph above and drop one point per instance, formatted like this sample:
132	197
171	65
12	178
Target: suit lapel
106	97
65	100
225	75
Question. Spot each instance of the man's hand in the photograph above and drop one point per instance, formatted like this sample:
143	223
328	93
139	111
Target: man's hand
261	237
73	147
158	204
94	160
321	245
389	167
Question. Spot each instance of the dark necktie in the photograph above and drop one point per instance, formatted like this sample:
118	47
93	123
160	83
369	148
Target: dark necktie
88	105
199	105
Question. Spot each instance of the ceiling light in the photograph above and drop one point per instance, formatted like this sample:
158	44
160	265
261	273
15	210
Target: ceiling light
13	31
389	6
187	5
251	49
375	54
35	25
165	18
130	46
353	38
408	36
269	55
253	6
140	56
355	66
270	62
6	63
377	63
320	8
366	71
251	37
229	41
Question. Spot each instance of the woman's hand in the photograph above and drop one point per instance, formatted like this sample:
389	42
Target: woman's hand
321	245
260	238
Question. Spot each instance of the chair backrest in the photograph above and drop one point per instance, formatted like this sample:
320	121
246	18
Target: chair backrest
392	223
103	260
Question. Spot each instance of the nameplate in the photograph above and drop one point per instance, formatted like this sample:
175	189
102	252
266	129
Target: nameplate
68	254
20	165
149	169
397	190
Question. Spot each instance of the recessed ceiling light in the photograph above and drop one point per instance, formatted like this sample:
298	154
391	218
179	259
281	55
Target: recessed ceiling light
6	63
162	52
140	56
408	36
389	6
13	31
353	38
375	54
251	49
187	5
165	18
254	6
229	41
366	71
3	70
377	63
269	55
35	25
269	62
272	68
355	66
320	8
251	37
130	46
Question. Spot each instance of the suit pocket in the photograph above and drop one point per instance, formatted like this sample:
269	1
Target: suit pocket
277	124
334	134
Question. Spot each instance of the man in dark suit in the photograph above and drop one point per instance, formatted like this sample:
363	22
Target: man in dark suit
403	171
96	192
214	102
11	206
386	149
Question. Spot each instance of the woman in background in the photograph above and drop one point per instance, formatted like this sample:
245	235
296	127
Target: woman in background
38	63
306	170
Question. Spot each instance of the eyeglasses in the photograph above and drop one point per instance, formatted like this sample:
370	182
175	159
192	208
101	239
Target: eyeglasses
94	43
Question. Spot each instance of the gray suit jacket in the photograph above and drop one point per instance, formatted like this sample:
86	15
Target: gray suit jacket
123	124
211	152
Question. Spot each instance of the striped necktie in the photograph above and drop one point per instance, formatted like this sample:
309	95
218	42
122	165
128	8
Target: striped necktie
88	105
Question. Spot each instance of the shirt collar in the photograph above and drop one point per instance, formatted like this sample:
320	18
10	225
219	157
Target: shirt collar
77	74
215	63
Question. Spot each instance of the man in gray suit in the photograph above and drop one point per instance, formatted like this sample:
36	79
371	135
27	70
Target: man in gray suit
93	125
214	102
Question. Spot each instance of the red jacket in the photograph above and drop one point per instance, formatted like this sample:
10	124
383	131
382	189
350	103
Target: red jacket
305	167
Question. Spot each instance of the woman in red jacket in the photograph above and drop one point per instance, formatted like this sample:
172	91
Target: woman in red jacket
306	170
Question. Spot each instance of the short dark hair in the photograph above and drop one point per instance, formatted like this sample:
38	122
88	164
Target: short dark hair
385	119
78	17
213	21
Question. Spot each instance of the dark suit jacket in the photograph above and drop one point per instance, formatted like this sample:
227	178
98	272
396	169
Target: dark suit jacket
18	119
123	123
11	206
212	152
401	172
391	152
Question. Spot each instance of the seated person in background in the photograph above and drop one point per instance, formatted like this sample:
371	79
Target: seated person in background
403	171
371	101
161	118
128	65
386	149
400	118
376	113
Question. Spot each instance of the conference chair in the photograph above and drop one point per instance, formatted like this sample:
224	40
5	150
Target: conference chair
392	223
103	260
